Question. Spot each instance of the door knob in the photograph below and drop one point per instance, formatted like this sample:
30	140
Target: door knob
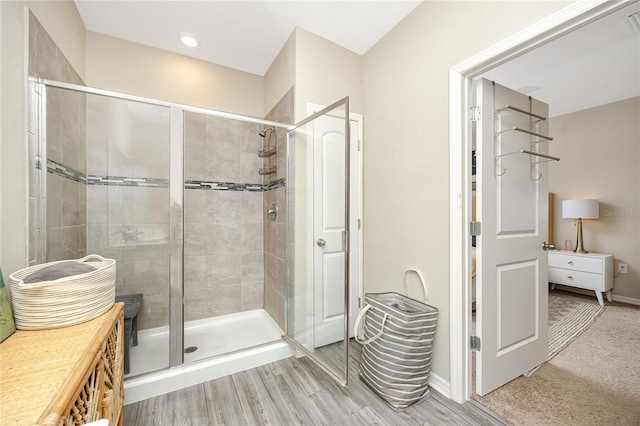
321	242
547	246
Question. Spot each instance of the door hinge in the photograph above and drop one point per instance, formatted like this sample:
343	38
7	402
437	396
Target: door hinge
358	144
475	228
345	241
476	113
359	302
359	224
475	343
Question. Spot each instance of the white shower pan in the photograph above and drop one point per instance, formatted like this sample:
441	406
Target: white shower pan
225	345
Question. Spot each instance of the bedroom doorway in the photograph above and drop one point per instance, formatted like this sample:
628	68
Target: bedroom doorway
557	25
511	144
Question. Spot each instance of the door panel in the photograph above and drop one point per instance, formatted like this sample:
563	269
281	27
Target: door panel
516	293
512	266
329	220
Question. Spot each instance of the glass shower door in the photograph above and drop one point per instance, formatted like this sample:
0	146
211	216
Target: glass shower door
128	163
317	238
102	177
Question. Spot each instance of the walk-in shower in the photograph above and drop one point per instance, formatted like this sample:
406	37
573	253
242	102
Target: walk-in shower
174	195
191	204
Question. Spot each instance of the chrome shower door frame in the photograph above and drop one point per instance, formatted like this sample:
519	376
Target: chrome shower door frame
176	238
290	333
176	189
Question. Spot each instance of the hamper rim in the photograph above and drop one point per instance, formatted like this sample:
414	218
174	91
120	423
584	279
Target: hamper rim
65	301
26	271
375	298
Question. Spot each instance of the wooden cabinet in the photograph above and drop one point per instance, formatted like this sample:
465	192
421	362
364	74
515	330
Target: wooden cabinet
589	271
65	376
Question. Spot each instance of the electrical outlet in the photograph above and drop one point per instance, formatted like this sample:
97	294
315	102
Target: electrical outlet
622	268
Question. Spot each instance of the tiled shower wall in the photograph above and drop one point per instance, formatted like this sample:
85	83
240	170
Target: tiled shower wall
66	141
274	231
223	230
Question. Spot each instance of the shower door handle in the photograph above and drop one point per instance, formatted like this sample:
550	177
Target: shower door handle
321	242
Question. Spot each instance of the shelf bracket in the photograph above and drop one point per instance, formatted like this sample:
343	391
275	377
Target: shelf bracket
522	111
529	132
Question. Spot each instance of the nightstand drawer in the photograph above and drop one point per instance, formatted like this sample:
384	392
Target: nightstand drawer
576	263
572	278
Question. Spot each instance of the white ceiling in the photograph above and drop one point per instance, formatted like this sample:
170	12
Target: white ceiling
595	65
244	35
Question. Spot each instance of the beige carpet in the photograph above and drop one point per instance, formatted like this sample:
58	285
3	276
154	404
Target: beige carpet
593	381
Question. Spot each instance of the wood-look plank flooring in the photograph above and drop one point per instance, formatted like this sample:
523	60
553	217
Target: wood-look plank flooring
294	391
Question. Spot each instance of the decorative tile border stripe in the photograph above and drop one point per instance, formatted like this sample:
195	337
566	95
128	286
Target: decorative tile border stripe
274	184
223	186
229	186
69	173
65	172
127	181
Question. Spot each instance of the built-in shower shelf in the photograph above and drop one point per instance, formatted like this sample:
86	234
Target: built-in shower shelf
267	171
267	152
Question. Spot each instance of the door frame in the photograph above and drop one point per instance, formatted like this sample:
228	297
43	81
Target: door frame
356	171
564	21
341	377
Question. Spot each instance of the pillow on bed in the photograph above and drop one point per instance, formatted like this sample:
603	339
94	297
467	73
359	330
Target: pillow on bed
57	271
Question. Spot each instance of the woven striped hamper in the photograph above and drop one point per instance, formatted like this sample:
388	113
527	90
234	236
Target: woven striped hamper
398	337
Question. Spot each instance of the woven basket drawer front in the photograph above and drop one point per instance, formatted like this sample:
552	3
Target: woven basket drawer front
101	396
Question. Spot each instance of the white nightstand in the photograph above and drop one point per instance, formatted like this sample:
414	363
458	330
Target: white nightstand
589	271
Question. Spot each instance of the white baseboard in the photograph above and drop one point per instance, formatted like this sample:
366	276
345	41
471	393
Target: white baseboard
624	299
614	297
441	385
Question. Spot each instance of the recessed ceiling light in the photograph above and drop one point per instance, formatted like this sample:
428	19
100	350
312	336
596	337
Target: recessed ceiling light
188	39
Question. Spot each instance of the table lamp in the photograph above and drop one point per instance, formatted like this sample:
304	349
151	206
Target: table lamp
580	209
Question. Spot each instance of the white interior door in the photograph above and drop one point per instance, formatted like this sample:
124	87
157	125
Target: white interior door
329	230
318	246
329	226
512	208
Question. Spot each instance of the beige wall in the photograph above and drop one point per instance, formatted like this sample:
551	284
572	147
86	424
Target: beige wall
281	75
406	155
600	157
13	142
126	67
325	73
321	71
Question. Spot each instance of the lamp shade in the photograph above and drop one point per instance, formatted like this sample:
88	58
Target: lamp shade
583	209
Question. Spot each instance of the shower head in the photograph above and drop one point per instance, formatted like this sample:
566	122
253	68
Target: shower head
263	133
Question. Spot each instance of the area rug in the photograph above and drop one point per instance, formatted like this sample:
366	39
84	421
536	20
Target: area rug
568	319
593	381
